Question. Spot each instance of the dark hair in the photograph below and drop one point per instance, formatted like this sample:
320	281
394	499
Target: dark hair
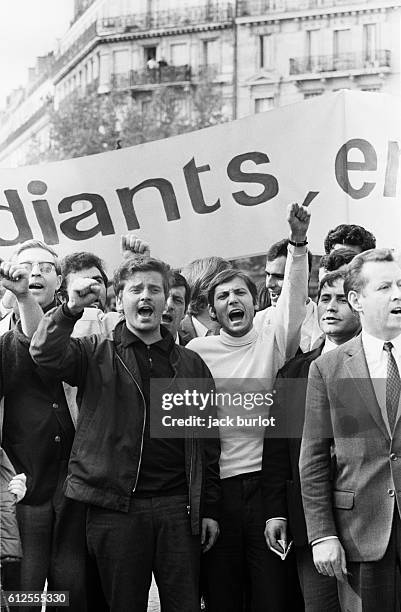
177	280
199	274
131	265
264	300
74	262
336	259
329	279
354	279
349	234
279	249
225	277
38	244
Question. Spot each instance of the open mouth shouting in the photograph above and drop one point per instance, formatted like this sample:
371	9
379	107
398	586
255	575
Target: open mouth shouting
236	315
167	318
36	286
145	311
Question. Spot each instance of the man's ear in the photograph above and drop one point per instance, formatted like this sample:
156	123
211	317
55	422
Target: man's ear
212	313
59	281
119	302
353	298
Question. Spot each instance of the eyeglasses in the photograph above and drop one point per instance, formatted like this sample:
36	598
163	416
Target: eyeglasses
45	267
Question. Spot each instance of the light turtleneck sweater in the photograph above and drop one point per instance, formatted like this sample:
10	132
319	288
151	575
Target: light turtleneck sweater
256	355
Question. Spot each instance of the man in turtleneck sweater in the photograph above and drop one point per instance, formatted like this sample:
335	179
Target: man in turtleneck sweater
240	352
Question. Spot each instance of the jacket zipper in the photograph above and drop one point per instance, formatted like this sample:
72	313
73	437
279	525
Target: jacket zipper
144	420
190	463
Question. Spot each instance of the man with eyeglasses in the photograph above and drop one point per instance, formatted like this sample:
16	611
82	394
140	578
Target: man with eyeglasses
37	436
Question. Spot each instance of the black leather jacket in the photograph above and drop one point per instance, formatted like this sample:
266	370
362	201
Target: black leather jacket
106	454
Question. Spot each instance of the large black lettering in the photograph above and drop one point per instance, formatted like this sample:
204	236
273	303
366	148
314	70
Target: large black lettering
392	167
191	173
43	212
103	226
343	166
16	209
268	181
126	195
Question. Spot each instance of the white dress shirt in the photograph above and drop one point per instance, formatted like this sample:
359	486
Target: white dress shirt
376	358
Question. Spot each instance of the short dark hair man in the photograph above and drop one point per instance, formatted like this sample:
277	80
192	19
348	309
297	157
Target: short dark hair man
149	499
353	237
238	356
176	306
37	436
276	258
338	259
352	406
86	265
280	474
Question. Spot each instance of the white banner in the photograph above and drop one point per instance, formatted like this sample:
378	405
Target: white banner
220	191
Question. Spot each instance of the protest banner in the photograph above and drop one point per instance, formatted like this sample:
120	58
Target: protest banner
220	191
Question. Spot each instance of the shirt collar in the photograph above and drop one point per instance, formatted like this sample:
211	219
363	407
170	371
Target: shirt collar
165	344
374	346
201	330
329	345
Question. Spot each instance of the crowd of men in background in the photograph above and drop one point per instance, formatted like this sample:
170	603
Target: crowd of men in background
103	504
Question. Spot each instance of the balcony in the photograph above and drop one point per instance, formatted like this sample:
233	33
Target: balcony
342	62
171	18
151	78
253	8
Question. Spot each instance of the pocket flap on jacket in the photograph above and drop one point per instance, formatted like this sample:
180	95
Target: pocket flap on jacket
344	499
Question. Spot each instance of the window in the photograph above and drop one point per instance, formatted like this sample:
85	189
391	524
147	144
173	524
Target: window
104	69
313	50
266	51
210	52
121	61
342	41
370	42
179	54
263	104
149	53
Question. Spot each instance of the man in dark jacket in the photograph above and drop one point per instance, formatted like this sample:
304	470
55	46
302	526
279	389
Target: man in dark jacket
37	437
281	482
149	499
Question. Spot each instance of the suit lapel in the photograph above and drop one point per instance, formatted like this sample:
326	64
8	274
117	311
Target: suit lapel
358	370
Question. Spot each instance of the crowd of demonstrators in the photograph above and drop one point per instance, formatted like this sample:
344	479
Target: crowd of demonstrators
102	504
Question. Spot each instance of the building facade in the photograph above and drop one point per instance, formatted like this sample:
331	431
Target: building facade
261	54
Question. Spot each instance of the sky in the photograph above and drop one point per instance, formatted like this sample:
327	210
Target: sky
28	28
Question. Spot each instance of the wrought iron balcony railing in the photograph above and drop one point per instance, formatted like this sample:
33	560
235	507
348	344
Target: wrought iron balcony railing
250	8
156	76
210	12
340	62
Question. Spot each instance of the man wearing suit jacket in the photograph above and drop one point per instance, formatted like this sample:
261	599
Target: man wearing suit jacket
353	517
281	485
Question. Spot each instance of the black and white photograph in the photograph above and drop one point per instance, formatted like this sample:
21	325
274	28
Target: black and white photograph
200	305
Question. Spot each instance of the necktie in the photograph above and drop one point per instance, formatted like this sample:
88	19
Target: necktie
393	386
